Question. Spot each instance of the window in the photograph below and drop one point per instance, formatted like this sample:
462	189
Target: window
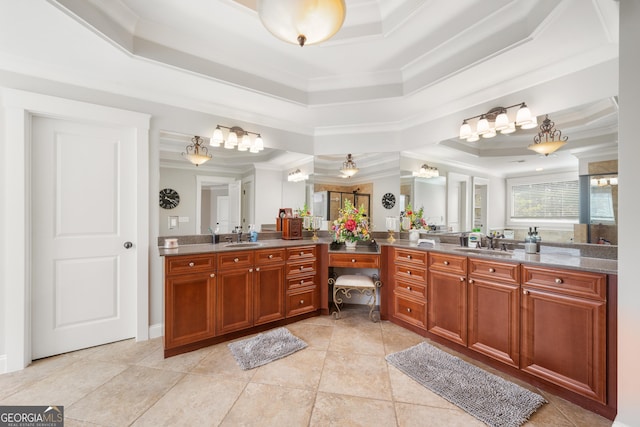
550	199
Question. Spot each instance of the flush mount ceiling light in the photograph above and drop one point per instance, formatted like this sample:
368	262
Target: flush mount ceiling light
497	120
426	171
302	21
236	138
349	167
297	176
197	153
548	139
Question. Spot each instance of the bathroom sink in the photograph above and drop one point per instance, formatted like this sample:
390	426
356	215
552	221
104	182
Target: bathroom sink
489	252
243	245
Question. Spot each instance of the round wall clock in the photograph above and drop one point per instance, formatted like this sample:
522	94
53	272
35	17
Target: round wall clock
388	201
169	198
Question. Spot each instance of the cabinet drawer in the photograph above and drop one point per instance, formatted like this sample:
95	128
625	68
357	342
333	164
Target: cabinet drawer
269	256
449	263
302	301
410	310
414	274
411	288
488	269
567	282
235	259
354	260
301	282
189	264
303	267
411	257
301	253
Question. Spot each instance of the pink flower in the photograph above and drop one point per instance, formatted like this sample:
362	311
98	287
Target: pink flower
350	225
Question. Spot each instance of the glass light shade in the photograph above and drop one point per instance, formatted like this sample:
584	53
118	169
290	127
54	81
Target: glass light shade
613	181
502	121
532	124
258	143
228	145
231	139
246	142
510	129
594	182
465	130
217	138
302	21
473	138
483	126
523	116
546	148
349	171
490	133
197	159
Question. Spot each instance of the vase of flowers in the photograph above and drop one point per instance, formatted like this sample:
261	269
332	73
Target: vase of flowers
412	219
351	225
305	214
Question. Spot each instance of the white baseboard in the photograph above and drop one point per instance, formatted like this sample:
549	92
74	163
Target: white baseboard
156	330
3	363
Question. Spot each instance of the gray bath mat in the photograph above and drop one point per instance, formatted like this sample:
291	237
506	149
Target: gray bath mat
266	347
491	399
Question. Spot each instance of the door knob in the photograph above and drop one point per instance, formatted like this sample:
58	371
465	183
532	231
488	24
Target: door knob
128	245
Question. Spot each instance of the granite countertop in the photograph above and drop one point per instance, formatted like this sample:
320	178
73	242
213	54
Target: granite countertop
549	256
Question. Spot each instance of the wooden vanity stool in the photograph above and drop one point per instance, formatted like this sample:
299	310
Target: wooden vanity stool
355	282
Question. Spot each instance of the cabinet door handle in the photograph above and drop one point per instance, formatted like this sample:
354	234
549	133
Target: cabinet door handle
409	272
191	264
257	268
301	281
212	275
526	292
301	253
408	256
559	281
301	301
408	310
301	267
462	279
251	270
236	260
408	288
353	260
446	262
492	270
270	256
471	281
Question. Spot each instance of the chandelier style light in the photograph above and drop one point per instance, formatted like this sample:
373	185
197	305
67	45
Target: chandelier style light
197	153
426	171
302	21
548	139
297	176
497	120
237	138
349	167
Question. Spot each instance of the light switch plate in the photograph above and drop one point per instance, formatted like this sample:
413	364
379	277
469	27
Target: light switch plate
173	222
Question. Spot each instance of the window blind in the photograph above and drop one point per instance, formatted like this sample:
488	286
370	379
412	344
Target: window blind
547	200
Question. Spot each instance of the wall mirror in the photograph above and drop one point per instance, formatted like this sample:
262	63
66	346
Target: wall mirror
225	191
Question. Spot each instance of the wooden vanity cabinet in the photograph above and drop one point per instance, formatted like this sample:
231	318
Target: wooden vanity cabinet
493	316
268	286
190	285
409	295
234	294
302	292
564	335
447	297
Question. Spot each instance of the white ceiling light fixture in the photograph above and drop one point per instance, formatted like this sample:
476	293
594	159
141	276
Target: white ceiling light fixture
497	120
349	167
426	171
236	137
549	139
297	176
197	153
302	21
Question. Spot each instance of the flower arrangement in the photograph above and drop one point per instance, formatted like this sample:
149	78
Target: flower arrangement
351	225
414	218
303	211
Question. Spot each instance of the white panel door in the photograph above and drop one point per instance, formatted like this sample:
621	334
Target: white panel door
235	204
83	221
222	213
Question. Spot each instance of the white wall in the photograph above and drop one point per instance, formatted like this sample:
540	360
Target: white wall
293	195
629	206
381	186
432	196
268	197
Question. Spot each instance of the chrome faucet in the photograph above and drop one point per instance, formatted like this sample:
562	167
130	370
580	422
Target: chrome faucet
238	230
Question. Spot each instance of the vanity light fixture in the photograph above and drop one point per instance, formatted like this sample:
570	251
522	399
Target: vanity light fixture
302	21
426	171
497	120
349	167
297	176
197	153
549	139
601	182
236	138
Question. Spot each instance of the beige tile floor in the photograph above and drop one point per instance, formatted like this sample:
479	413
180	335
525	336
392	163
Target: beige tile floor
341	378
